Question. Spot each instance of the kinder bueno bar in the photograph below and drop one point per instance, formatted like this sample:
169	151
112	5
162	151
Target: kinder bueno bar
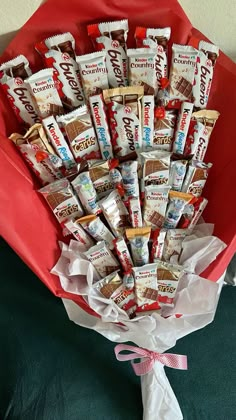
182	127
177	173
135	212
115	213
86	192
196	177
96	228
123	254
146	288
156	39
59	52
158	237
142	68
156	199
43	87
93	73
138	239
61	199
102	259
111	37
197	146
130	178
168	276
101	126
204	73
173	244
182	72
109	284
178	201
12	76
147	121
79	234
164	130
58	141
80	134
100	176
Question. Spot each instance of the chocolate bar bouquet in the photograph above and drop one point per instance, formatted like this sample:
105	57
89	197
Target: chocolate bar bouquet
117	139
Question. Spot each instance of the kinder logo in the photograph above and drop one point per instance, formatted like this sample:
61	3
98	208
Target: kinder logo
183	121
147	106
115	44
96	113
18	81
127	110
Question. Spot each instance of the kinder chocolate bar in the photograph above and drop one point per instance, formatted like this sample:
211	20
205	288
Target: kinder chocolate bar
111	37
138	239
80	134
164	130
201	126
125	118
115	213
147	122
125	299
158	237
156	39
130	178
146	288
135	212
156	167
175	208
102	259
168	276
207	57
196	177
96	228
199	207
177	173
142	69
86	192
109	284
100	176
173	244
12	79
156	199
123	254
59	53
79	234
101	126
43	87
182	127
93	73
57	139
61	199
184	58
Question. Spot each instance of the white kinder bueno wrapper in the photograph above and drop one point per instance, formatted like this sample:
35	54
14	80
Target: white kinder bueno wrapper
79	234
135	212
164	130
86	192
96	228
43	87
123	254
12	78
184	58
80	134
93	72
181	132
147	122
177	173
173	244
196	177
142	68
102	259
101	126
112	36
58	141
156	199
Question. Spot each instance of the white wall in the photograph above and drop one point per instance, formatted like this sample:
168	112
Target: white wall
215	18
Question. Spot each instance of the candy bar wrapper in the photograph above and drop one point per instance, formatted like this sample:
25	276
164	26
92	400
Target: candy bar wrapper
173	244
58	141
182	71
135	212
64	43
199	206
101	126
102	259
204	73
100	176
123	254
62	200
125	118
177	173
93	73
96	228
147	122
12	79
182	127
207	117
138	239
111	37
146	288
156	39
158	241
168	276
109	284
85	241
129	173
156	199
117	180
174	211
196	177
86	192
125	299
164	131
156	168
115	213
80	134
142	69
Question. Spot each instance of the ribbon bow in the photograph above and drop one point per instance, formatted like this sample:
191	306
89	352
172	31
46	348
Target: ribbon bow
176	361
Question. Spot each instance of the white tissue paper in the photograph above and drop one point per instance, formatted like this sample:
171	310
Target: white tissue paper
195	305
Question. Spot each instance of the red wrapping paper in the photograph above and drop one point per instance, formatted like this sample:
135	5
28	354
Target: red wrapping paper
26	222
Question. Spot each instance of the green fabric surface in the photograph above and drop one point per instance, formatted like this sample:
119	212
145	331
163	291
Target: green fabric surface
52	369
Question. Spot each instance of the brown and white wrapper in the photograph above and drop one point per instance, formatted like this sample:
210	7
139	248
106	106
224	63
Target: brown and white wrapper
168	276
123	254
93	73
79	233
101	126
135	212
102	259
147	122
164	131
156	199
96	228
146	287
173	244
115	213
182	127
109	284
100	176
142	69
158	236
138	239
156	167
196	177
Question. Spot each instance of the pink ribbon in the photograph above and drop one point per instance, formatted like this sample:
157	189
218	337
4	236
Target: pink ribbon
176	361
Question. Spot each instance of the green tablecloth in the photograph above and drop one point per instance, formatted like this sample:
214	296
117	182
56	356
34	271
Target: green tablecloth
52	369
